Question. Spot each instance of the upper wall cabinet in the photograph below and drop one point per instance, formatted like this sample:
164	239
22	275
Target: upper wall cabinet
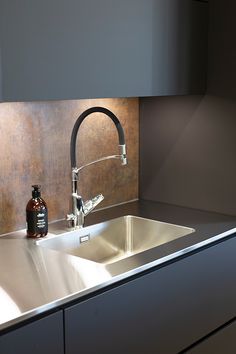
68	49
179	49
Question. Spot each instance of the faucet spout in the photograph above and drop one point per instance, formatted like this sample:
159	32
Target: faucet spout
81	119
79	208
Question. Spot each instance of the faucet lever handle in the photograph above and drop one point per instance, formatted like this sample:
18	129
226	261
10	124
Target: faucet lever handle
89	205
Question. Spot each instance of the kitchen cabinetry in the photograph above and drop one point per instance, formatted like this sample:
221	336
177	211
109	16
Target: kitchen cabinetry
41	336
164	311
222	342
86	49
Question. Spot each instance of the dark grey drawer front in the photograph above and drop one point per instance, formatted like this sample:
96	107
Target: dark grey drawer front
44	336
222	342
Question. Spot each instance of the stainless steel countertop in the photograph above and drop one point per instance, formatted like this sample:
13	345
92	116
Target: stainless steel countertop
35	279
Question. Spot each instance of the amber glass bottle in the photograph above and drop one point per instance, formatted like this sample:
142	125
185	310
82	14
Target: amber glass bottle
36	215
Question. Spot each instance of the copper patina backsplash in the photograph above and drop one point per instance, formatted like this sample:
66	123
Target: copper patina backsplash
35	149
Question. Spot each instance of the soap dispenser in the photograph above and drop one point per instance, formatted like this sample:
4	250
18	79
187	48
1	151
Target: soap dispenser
36	215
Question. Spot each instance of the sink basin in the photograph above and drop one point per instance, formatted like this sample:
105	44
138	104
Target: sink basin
114	240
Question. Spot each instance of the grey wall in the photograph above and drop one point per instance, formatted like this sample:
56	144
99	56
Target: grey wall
187	143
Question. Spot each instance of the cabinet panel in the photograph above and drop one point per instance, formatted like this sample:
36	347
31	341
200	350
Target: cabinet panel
75	49
84	48
180	40
222	342
161	312
42	336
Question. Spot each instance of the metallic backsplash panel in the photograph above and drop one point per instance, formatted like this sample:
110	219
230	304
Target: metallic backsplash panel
35	138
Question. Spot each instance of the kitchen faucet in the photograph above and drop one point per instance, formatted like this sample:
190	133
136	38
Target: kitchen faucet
80	208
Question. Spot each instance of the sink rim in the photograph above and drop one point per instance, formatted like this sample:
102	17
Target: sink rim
83	232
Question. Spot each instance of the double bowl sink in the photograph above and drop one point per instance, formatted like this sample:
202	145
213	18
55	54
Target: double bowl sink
115	240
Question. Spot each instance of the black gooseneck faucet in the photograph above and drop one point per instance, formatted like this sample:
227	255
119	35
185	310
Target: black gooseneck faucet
80	208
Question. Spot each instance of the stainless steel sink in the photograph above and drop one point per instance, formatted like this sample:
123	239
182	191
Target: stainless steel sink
114	240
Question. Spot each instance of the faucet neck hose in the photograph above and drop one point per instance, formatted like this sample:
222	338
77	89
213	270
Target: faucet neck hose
80	120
